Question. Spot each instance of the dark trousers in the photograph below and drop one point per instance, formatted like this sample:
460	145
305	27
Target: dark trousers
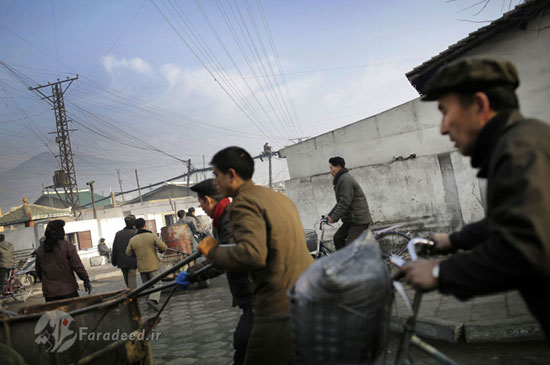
270	343
53	299
130	277
241	335
347	233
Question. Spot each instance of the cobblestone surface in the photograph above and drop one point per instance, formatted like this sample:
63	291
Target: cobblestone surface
197	326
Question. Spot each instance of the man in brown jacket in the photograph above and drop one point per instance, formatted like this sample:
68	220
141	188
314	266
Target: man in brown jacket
269	243
143	246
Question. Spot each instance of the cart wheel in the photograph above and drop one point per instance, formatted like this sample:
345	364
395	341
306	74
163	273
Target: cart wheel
22	288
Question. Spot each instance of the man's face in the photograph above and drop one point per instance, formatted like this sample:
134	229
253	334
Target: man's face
462	124
224	182
334	169
208	204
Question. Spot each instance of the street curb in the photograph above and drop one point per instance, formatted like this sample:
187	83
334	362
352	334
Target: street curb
432	328
512	329
106	275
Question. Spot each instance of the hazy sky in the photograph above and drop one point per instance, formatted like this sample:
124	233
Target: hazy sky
144	97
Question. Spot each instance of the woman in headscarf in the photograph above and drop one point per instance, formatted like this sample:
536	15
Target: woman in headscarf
56	263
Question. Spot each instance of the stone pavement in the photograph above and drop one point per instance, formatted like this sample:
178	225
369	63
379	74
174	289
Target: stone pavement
500	317
197	326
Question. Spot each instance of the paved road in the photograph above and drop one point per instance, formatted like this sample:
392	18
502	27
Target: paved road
197	328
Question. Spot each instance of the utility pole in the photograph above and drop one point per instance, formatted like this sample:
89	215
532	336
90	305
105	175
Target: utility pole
139	189
188	171
120	183
68	181
91	185
204	168
268	154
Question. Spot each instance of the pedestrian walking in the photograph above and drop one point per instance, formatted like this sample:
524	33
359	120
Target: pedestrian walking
6	260
351	205
240	284
269	242
128	265
510	248
143	246
56	263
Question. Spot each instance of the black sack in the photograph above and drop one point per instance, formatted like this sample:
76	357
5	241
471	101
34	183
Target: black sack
340	306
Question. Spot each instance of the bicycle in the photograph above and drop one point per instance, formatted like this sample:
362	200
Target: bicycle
317	247
18	285
408	337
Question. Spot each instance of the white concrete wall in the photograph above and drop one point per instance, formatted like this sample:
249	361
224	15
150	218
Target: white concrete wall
22	238
436	190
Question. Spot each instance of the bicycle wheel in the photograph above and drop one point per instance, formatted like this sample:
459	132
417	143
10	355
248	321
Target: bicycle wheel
393	243
22	288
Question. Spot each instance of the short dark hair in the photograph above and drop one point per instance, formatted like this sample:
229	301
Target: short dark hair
235	158
501	99
181	213
207	188
140	223
337	161
191	210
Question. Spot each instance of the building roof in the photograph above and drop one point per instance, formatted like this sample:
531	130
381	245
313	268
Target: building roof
50	199
31	212
169	190
516	18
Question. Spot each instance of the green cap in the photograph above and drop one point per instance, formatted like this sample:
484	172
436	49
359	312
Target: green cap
471	75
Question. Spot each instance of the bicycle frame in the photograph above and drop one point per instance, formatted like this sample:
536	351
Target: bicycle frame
408	337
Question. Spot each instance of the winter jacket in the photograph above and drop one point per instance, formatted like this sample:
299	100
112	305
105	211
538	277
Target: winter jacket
142	246
510	248
120	243
6	255
56	269
351	203
269	243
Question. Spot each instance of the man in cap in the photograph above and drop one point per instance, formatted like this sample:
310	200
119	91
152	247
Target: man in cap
240	285
510	248
126	264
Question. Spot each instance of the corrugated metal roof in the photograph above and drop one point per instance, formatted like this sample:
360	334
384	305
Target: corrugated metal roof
27	212
517	17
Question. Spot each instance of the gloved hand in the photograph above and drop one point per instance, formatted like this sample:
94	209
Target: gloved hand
207	244
183	280
88	287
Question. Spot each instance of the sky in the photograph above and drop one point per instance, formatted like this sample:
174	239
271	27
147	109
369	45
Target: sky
164	81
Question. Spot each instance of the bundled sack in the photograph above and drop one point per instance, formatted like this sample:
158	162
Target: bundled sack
340	306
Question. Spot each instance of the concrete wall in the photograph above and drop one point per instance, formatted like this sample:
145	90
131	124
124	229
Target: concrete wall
436	190
22	239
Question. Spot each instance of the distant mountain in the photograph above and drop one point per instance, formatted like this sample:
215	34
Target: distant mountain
27	178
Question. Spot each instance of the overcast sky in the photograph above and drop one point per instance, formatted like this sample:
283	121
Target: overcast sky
165	80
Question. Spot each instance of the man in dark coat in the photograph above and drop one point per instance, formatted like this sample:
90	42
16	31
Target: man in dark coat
127	264
510	248
269	243
6	260
240	285
351	204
